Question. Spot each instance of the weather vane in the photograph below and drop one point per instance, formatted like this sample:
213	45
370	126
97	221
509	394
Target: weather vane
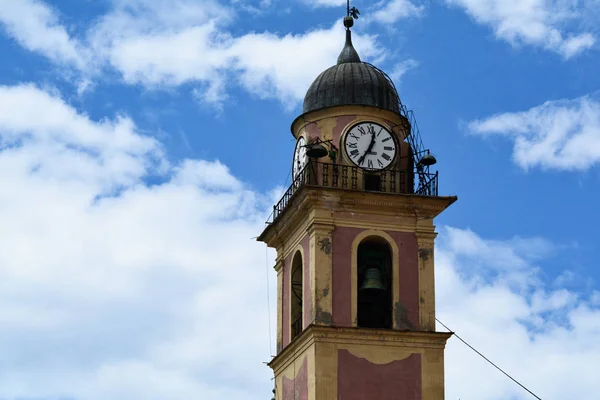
352	12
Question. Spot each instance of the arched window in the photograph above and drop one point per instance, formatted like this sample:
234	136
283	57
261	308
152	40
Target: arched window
296	297
374	283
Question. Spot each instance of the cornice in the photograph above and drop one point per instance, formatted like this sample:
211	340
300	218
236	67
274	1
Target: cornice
425	236
315	334
334	200
383	337
290	353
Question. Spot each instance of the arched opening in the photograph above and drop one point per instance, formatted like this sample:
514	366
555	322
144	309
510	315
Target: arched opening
296	298
374	283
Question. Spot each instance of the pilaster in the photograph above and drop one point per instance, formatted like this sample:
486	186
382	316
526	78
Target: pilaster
425	244
321	267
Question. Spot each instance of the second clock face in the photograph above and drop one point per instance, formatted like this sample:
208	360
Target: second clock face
370	146
300	158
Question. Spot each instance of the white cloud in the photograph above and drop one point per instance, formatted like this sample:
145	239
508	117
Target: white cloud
36	27
265	64
544	23
562	135
169	43
389	12
135	293
576	44
269	65
402	68
537	334
56	135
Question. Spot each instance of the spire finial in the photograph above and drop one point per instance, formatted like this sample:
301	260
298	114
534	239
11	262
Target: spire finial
349	54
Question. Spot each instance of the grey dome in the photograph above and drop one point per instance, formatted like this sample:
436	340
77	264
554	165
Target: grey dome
351	82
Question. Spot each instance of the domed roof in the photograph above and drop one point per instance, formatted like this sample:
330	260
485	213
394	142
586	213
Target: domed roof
351	82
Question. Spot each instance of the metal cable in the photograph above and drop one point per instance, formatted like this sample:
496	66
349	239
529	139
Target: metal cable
488	360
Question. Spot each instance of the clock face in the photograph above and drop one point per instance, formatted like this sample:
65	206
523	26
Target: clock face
370	146
300	158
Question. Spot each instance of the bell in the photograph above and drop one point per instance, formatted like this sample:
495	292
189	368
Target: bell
316	150
372	280
428	160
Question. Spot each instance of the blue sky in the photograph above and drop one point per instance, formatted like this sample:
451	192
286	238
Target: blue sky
143	143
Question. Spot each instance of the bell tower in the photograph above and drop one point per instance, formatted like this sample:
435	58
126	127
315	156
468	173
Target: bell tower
354	236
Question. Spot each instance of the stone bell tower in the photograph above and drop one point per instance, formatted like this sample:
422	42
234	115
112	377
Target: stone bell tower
354	236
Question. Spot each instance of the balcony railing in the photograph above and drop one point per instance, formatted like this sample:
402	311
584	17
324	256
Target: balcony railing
354	178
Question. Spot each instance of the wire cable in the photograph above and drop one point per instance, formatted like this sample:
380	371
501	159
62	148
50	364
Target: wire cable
286	181
267	271
488	360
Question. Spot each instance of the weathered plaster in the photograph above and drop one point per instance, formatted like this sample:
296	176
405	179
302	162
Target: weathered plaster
321	257
425	243
359	379
406	310
296	388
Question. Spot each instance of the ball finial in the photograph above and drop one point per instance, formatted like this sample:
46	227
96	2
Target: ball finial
348	22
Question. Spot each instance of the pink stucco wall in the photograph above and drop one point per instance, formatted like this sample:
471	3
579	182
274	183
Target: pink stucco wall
407	312
297	388
358	379
341	259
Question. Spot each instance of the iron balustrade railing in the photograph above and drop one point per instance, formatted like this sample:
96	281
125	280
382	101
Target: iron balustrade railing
350	177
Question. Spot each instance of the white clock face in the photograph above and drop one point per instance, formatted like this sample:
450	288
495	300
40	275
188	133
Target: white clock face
370	146
300	158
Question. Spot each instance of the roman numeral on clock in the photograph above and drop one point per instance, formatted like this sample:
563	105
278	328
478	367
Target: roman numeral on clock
387	158
387	138
353	145
354	153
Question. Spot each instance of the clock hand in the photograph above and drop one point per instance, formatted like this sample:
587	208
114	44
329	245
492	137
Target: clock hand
362	159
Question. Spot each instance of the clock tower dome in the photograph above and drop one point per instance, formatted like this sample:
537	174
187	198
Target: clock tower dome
354	236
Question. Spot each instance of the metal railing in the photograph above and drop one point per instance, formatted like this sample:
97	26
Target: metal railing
297	327
350	177
413	138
